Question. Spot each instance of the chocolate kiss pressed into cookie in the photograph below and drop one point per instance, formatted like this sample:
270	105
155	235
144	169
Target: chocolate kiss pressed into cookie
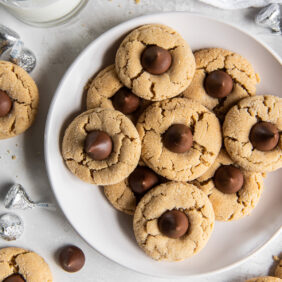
218	84
173	224
178	138
228	179
98	145
155	59
264	136
5	104
125	101
71	258
14	278
142	179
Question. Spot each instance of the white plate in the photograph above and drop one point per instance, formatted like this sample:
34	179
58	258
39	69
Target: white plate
85	206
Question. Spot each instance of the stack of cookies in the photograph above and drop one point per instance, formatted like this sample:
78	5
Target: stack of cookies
178	140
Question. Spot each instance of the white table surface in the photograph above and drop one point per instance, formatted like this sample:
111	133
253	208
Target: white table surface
55	49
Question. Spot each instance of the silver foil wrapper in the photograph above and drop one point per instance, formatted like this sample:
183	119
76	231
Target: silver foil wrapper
12	49
22	57
17	198
8	37
270	17
11	227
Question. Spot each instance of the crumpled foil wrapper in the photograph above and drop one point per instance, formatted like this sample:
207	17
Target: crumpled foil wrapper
17	198
22	57
11	227
239	4
8	38
270	17
10	43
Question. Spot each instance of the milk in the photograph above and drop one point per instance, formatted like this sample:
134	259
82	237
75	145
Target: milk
42	11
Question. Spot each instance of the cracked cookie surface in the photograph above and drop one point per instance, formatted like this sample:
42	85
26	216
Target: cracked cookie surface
233	206
241	71
236	130
155	87
23	92
205	128
126	147
30	265
264	279
104	85
173	195
278	269
122	197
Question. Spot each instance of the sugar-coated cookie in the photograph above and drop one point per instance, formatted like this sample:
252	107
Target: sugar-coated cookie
180	138
101	146
228	202
155	62
222	78
173	221
23	265
18	100
252	133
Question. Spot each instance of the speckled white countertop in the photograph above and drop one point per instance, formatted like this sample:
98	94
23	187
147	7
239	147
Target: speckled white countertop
55	49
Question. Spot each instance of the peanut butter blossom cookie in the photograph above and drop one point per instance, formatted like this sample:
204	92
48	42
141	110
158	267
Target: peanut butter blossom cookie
101	146
233	191
222	78
180	138
265	279
106	91
278	269
173	221
125	194
18	100
20	265
252	133
155	62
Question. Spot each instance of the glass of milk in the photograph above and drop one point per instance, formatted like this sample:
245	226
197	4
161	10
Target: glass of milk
43	13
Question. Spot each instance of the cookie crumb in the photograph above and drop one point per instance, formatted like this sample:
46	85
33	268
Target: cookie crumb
257	78
14	157
137	1
8	151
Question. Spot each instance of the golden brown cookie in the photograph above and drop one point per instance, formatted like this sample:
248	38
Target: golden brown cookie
155	87
264	279
238	68
237	127
23	97
185	198
103	88
278	269
125	152
205	128
27	264
231	206
121	197
125	195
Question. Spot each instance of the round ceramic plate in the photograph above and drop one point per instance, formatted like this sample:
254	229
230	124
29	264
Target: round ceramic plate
109	231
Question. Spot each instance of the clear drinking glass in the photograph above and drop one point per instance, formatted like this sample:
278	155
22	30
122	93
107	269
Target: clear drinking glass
43	13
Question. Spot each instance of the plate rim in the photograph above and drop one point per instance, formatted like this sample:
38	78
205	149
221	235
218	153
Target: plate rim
48	123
